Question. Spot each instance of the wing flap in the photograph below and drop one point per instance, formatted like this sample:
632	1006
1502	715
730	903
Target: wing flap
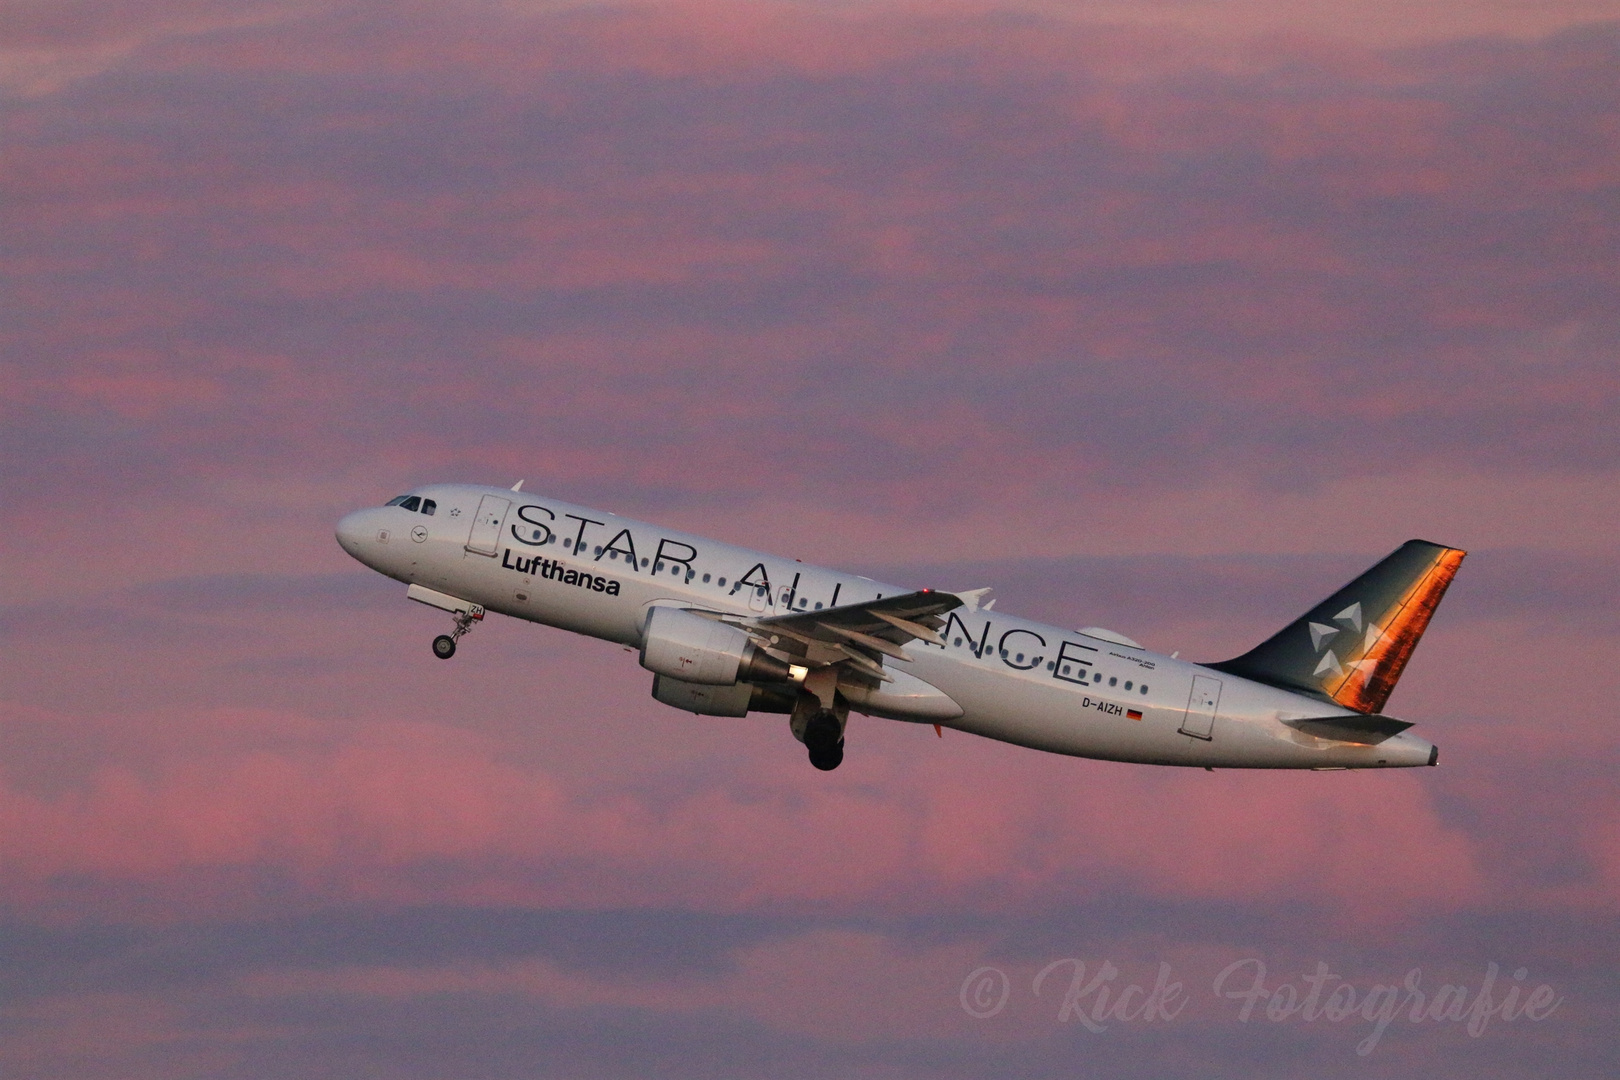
895	619
858	635
906	626
877	644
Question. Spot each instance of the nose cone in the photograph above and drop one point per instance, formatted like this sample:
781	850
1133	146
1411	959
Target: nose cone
352	530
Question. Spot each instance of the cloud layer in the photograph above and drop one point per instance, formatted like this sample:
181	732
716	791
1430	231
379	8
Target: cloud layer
1170	322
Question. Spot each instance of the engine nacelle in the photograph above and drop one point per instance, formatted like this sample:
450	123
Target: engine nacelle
736	700
686	646
704	700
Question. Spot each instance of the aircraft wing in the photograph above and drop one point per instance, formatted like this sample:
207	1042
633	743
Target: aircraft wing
858	635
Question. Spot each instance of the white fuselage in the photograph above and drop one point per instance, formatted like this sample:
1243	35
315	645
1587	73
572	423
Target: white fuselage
1018	681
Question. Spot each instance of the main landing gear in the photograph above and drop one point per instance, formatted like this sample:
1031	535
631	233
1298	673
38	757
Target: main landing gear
444	646
824	738
820	727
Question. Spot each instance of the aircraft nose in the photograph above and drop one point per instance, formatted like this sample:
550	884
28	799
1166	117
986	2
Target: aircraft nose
351	530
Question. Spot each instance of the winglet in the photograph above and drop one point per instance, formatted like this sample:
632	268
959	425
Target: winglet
972	599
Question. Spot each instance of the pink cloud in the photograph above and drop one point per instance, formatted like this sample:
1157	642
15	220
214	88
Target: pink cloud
370	814
897	287
928	246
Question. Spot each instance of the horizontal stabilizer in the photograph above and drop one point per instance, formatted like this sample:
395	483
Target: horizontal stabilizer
1351	648
1371	729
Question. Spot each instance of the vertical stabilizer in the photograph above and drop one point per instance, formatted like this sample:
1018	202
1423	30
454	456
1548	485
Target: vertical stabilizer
1352	647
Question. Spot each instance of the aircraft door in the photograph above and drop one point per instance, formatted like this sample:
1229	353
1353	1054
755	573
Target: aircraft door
486	525
1202	705
758	598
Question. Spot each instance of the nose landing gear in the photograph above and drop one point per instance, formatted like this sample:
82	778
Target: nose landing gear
444	646
465	611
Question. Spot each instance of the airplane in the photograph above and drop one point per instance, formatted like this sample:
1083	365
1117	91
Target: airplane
727	631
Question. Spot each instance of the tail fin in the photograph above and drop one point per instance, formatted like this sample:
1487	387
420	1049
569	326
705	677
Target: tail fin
1351	648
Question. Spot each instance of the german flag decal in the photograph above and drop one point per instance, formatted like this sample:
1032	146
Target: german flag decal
1132	714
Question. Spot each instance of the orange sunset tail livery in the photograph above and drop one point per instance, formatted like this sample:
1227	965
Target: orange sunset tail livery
1352	647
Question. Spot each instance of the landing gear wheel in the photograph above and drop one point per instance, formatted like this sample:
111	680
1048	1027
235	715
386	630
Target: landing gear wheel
444	646
828	758
825	741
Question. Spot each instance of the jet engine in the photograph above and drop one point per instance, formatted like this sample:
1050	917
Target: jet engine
686	646
704	700
737	700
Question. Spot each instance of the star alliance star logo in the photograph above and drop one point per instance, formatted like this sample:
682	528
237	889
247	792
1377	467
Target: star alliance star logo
1322	637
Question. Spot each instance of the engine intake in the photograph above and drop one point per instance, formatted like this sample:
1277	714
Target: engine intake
686	646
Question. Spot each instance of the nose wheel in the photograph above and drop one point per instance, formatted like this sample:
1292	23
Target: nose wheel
444	646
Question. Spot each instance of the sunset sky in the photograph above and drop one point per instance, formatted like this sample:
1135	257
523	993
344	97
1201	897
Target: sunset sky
1165	316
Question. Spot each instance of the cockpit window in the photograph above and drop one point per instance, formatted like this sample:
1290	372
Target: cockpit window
428	506
397	500
412	503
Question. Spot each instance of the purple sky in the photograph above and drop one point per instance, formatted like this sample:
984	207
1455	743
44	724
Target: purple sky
1168	318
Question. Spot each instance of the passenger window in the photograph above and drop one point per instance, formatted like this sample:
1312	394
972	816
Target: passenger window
1143	688
958	643
721	582
428	506
705	579
1127	684
413	503
1113	680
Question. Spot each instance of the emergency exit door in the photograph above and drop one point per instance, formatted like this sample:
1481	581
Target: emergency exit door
1202	705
